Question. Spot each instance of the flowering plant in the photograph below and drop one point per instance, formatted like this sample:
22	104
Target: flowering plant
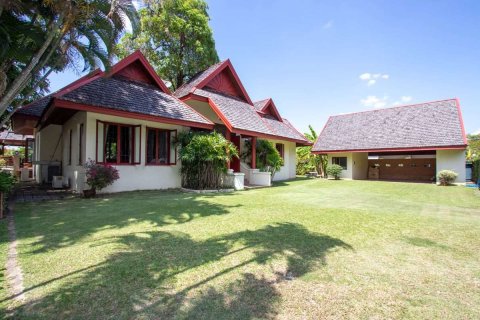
100	176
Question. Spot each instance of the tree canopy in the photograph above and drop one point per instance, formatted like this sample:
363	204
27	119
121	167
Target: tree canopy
306	160
175	37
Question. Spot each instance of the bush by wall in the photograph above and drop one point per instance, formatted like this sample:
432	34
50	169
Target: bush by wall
204	159
268	158
334	170
99	176
475	170
446	177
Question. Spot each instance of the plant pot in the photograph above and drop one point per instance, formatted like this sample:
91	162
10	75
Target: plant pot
90	193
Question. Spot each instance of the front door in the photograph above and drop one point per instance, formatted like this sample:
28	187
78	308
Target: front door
235	163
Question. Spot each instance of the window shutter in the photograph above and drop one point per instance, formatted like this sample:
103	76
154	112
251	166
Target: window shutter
100	141
173	149
137	147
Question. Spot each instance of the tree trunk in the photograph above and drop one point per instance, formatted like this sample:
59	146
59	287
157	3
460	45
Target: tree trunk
19	84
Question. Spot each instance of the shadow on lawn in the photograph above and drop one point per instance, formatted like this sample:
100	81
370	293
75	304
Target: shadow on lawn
155	277
78	218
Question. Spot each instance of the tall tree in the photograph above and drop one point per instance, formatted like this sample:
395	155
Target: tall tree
307	161
175	37
473	148
41	36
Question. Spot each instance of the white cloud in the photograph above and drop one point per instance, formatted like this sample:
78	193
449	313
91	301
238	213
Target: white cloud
406	98
374	102
365	76
476	132
371	79
328	25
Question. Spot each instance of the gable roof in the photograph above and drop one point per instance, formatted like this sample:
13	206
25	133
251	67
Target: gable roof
130	86
239	114
204	78
424	126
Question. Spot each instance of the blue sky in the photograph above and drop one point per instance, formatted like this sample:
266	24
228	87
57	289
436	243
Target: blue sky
318	58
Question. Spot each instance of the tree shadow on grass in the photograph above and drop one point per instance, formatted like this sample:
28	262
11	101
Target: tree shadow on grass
165	275
63	223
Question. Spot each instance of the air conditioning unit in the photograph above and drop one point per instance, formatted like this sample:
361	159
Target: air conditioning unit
57	182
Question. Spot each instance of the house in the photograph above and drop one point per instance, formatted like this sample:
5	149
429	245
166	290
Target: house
412	142
127	117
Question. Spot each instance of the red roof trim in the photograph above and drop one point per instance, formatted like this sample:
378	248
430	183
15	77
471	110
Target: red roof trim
212	105
291	126
78	83
320	134
393	149
219	69
58	103
461	121
138	56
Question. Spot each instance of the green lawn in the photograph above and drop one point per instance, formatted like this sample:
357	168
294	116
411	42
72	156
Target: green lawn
355	249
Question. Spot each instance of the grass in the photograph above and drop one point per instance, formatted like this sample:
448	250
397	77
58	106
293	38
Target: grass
355	249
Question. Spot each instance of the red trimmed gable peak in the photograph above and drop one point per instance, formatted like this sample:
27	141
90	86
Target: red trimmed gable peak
225	80
136	67
269	108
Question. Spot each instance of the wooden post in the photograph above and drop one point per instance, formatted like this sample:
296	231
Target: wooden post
228	136
254	152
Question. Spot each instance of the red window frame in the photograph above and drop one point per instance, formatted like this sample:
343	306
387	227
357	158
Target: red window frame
169	147
281	149
70	148
119	125
80	144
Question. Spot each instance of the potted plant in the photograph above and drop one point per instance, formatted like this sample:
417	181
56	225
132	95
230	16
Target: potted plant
99	176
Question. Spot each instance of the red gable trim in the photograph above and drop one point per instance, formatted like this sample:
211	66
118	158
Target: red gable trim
138	56
58	103
461	121
225	64
271	104
462	147
78	83
212	105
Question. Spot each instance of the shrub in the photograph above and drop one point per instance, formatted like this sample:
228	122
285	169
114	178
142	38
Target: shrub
204	159
7	181
268	158
100	176
334	170
446	177
3	163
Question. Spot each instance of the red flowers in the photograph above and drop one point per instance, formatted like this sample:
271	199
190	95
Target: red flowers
100	176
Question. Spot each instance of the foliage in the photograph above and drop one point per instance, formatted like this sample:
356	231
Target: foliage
268	158
204	158
476	170
100	176
446	177
334	170
45	36
307	161
7	181
175	37
473	147
3	162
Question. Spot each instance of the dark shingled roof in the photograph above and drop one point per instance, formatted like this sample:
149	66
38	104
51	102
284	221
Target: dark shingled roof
426	125
125	95
9	135
240	114
196	79
260	104
282	129
35	108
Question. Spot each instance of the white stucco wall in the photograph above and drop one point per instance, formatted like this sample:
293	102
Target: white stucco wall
452	160
346	174
288	170
74	173
360	165
48	147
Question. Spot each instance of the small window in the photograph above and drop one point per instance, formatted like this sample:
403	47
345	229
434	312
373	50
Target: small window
281	149
160	149
70	148
341	161
80	144
118	143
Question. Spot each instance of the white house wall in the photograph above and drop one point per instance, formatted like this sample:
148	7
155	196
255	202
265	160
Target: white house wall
74	173
360	165
346	174
48	147
135	177
452	160
288	170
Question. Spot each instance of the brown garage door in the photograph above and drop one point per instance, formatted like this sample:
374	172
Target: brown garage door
405	169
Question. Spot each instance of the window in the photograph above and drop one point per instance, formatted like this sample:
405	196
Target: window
341	161
281	149
70	148
160	148
118	143
80	144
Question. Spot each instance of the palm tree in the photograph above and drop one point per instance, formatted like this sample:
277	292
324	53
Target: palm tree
56	34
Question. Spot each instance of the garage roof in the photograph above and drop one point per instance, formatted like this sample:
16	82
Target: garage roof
424	126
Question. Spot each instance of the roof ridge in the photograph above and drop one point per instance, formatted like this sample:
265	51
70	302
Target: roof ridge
394	107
